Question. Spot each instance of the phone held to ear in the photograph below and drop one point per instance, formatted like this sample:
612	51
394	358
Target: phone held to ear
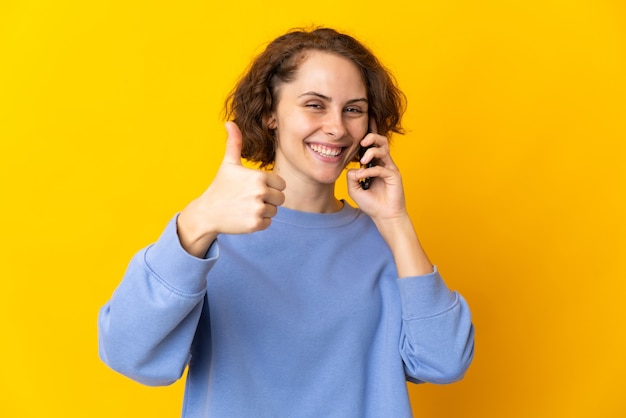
365	183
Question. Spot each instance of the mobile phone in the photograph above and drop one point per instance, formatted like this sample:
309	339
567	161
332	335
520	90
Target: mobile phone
365	183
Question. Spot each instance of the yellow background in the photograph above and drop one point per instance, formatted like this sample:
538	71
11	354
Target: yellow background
514	166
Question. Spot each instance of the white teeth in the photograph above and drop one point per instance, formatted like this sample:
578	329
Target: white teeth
326	151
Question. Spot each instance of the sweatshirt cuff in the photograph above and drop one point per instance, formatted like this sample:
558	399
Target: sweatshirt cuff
425	295
175	267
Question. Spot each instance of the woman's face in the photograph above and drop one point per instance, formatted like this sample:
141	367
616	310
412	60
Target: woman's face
320	118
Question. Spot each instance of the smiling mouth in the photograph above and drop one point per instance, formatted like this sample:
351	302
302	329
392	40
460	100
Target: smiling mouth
326	151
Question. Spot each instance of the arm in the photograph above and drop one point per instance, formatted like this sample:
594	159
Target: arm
384	202
238	201
408	254
147	328
437	339
437	342
145	331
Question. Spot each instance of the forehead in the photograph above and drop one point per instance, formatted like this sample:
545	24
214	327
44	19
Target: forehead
323	70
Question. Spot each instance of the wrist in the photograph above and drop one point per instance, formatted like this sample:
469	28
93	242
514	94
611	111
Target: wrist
409	256
394	228
194	237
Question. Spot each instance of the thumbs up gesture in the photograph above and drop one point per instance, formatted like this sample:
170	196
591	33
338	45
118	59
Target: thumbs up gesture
238	201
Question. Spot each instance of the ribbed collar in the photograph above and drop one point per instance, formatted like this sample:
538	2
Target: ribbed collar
346	215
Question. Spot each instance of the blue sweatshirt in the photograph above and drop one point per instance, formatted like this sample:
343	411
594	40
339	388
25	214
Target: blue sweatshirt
304	319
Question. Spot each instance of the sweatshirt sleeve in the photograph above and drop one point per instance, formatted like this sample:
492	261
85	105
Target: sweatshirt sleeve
437	340
146	329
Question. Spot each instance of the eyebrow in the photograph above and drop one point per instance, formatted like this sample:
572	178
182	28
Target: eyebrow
328	99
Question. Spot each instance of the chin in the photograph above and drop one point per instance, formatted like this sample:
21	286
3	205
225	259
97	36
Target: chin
328	179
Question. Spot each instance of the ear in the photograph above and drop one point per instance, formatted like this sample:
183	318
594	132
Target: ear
272	124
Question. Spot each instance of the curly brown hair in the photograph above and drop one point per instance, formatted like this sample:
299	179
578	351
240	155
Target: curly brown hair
253	99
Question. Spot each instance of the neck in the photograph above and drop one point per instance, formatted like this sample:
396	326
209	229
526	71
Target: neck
306	194
320	199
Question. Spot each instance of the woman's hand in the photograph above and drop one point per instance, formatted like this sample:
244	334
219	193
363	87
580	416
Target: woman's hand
238	201
384	202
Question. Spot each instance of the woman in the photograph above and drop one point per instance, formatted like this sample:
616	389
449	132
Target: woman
282	300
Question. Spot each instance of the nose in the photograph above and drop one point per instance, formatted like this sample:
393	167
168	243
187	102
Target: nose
334	125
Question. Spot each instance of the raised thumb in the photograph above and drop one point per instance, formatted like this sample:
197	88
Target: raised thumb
233	144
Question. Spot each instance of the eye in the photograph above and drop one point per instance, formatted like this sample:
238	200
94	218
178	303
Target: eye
314	105
353	110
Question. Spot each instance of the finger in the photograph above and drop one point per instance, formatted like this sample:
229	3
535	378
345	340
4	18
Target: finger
274	197
367	155
354	179
233	144
369	140
375	148
382	156
270	211
276	182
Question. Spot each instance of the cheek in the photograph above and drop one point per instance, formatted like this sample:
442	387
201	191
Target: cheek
359	129
299	122
294	128
358	132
